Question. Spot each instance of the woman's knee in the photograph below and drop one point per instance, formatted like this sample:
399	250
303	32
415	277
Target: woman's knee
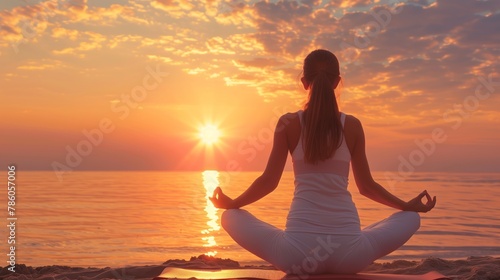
410	219
226	217
413	218
229	217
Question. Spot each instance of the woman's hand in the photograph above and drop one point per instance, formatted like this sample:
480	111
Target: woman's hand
416	204
220	200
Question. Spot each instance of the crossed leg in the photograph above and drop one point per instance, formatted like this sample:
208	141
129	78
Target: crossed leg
270	243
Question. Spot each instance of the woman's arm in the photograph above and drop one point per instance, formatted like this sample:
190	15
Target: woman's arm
364	180
268	181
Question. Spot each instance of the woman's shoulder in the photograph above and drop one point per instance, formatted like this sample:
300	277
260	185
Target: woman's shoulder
353	128
290	116
352	120
289	121
353	131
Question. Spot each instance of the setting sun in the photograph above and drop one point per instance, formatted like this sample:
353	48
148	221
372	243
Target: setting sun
209	134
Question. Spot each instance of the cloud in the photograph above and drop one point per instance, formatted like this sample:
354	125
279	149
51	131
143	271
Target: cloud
59	32
25	23
178	9
260	62
93	41
422	53
44	64
217	45
283	27
438	47
28	23
354	3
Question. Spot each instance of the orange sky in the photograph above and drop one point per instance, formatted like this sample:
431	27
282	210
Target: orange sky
124	85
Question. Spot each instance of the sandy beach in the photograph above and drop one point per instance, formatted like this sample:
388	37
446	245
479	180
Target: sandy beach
472	268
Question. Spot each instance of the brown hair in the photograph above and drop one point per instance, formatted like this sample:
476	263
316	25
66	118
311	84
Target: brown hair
322	133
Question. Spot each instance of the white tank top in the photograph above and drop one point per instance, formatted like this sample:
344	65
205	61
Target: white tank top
321	203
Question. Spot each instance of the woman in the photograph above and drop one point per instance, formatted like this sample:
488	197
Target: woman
323	233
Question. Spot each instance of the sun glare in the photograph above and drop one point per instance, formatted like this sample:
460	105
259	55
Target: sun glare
209	134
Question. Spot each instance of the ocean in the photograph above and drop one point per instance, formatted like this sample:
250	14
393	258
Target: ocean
116	219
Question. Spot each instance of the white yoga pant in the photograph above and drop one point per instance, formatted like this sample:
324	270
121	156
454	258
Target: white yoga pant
307	253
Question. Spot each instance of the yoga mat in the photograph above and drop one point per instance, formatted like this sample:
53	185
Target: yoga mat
180	273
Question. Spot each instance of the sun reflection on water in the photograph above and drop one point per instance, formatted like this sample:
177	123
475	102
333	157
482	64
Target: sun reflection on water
210	182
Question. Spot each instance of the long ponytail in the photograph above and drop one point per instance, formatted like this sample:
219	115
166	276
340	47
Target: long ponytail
322	133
